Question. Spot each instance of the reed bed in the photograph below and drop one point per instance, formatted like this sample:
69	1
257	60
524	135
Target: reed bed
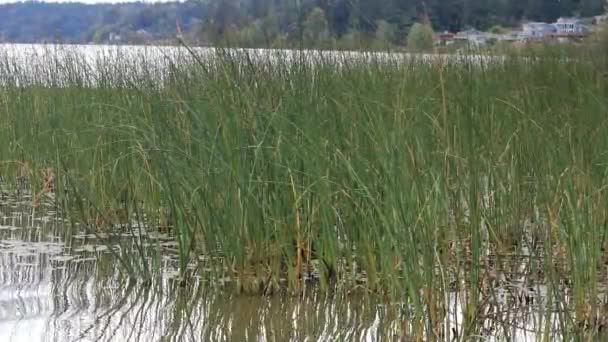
427	182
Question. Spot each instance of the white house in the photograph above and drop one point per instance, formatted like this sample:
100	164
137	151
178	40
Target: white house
473	37
511	36
538	31
600	19
570	27
114	37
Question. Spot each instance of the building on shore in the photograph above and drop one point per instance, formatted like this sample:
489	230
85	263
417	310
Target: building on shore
600	19
473	37
538	31
571	26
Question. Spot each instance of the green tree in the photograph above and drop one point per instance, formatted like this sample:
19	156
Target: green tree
497	29
420	37
591	7
385	33
355	23
351	40
316	27
253	34
543	10
281	41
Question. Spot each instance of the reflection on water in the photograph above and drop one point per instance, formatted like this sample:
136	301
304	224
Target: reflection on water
58	283
62	286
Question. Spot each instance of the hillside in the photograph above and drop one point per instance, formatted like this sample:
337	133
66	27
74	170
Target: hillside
270	22
31	22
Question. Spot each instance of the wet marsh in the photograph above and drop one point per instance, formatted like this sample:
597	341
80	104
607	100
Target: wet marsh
403	199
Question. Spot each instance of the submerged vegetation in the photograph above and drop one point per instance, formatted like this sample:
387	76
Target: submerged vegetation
462	183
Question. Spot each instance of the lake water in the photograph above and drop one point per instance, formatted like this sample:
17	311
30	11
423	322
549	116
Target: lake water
38	63
93	51
59	282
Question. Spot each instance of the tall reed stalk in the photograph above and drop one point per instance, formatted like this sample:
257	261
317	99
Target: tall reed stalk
416	180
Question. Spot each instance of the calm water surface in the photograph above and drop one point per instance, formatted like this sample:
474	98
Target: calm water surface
59	282
39	63
62	285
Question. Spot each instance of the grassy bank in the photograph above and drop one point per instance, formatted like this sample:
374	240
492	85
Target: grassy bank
412	180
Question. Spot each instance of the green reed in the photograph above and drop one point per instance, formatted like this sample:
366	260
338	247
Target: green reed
403	177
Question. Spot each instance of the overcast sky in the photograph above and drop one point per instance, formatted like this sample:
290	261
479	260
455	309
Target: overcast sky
88	1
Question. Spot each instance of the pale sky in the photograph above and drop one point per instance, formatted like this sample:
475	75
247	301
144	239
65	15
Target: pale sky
89	1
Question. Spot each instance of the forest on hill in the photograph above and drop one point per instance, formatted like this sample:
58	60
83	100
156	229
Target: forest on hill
270	22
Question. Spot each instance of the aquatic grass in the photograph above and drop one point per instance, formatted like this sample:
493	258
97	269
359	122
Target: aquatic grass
411	179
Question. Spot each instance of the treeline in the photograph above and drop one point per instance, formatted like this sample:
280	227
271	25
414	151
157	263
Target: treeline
383	22
31	22
272	22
